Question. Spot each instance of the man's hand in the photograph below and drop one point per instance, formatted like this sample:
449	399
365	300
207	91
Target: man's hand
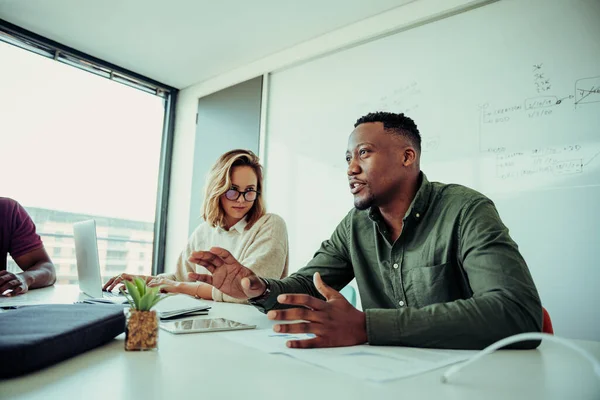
334	321
13	282
115	280
228	275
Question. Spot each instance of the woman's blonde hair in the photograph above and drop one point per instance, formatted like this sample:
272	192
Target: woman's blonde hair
218	181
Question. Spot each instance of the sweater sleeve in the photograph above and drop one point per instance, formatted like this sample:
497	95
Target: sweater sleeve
184	266
332	261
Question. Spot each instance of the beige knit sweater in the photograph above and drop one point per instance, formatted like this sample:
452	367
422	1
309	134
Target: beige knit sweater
263	248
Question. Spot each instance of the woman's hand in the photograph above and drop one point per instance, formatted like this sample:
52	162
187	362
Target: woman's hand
166	285
115	280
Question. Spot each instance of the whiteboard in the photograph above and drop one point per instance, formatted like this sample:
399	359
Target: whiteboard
507	99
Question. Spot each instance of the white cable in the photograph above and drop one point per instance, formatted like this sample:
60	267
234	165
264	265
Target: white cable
519	338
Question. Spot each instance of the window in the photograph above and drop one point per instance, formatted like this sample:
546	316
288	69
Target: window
111	270
101	141
113	255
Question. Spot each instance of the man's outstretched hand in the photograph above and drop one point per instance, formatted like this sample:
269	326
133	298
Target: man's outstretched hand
228	275
335	322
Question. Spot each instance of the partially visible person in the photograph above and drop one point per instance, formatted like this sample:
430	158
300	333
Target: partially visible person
19	239
234	218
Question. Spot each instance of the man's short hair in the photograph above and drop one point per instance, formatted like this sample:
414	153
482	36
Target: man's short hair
398	124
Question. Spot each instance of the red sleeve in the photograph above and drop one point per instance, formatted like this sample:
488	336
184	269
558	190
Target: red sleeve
23	237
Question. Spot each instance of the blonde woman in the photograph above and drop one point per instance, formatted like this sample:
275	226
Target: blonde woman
234	218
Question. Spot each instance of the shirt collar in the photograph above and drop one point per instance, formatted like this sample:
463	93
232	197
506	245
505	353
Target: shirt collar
418	206
421	201
240	226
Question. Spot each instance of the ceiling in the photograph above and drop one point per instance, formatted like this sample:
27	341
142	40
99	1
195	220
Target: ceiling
183	42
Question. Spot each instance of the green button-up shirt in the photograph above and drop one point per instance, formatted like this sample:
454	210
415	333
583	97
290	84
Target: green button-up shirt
453	279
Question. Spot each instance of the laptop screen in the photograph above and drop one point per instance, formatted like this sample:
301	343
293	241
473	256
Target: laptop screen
86	253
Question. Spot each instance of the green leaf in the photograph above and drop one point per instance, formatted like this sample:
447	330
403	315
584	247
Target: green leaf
141	285
153	290
154	301
127	296
134	292
146	302
142	297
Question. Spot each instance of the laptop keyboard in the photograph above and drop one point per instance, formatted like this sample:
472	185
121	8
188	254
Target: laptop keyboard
112	295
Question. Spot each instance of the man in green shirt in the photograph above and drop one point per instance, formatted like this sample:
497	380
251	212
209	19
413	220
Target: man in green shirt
434	264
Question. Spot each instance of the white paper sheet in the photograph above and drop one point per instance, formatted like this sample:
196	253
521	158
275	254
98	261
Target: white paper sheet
374	363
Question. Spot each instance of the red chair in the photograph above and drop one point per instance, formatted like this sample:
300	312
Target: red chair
546	322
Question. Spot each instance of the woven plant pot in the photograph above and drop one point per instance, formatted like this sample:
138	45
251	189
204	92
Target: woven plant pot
141	330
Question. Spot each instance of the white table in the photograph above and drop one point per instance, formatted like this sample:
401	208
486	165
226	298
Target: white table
209	366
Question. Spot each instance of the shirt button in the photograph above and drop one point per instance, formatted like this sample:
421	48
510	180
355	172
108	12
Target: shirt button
417	215
401	303
395	266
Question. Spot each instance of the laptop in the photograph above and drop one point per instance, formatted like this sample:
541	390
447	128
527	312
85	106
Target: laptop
88	264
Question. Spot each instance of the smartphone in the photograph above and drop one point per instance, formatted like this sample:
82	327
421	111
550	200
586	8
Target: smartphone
203	325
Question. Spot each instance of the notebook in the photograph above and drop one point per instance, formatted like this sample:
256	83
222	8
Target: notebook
35	337
183	312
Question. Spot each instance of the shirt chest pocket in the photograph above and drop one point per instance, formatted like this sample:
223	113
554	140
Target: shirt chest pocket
432	284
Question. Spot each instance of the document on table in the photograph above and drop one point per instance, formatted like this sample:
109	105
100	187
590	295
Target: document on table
181	305
375	363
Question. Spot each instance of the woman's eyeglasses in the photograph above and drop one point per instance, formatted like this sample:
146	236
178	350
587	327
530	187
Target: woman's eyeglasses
233	195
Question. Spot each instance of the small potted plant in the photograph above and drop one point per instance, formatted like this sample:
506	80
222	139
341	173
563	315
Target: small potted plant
141	326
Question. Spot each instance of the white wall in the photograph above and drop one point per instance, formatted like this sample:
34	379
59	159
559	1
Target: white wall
227	119
183	147
464	75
